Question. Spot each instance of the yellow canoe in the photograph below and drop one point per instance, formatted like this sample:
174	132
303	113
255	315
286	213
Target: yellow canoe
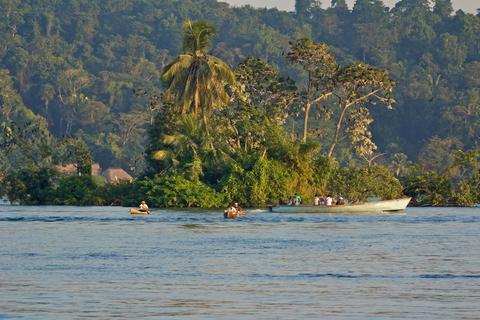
136	211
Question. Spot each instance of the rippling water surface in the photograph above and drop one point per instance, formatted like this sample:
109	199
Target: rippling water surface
74	263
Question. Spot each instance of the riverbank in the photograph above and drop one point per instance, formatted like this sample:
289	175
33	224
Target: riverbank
260	183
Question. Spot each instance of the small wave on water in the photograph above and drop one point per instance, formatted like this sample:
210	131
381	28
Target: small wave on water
446	276
383	276
63	219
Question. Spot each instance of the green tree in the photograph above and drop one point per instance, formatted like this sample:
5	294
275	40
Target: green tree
360	84
443	8
320	66
304	8
76	191
184	148
31	185
70	84
197	80
413	25
464	118
339	4
262	85
449	52
439	154
72	150
359	184
373	35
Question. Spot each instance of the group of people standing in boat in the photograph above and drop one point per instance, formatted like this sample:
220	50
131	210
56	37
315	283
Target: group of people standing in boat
318	200
328	201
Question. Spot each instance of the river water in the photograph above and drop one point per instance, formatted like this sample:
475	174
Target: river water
82	263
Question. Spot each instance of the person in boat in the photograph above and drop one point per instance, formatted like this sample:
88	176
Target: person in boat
233	211
290	201
238	208
340	201
297	200
316	200
230	213
323	200
329	201
144	207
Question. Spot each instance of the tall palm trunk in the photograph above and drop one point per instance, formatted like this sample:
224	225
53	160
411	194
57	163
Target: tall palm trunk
205	123
196	99
197	108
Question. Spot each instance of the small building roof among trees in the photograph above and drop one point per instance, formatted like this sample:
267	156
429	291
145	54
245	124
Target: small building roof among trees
116	175
71	169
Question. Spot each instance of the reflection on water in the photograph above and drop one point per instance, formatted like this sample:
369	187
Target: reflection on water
73	263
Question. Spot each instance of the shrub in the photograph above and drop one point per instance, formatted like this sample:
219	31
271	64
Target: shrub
176	191
258	184
359	184
31	186
76	191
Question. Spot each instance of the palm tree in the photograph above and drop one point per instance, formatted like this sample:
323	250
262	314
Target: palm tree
196	80
184	147
189	150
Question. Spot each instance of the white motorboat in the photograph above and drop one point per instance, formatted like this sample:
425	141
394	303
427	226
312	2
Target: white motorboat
367	207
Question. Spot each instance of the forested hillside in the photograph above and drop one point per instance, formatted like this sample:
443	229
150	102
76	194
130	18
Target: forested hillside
75	63
87	73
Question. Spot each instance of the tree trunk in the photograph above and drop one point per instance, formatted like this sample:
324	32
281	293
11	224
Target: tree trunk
196	103
305	121
205	124
238	143
68	128
292	137
46	109
308	105
337	131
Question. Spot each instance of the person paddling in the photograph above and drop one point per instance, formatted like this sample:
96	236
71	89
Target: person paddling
144	207
233	211
239	209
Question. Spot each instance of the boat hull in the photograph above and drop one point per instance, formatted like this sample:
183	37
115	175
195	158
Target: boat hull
138	212
228	215
369	207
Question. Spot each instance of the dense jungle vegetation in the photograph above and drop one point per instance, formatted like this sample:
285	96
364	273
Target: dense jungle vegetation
206	104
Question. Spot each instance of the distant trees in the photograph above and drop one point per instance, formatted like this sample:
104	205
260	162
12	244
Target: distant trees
305	8
120	46
374	47
443	8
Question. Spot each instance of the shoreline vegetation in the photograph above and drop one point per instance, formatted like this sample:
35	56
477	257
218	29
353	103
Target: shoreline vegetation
199	130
